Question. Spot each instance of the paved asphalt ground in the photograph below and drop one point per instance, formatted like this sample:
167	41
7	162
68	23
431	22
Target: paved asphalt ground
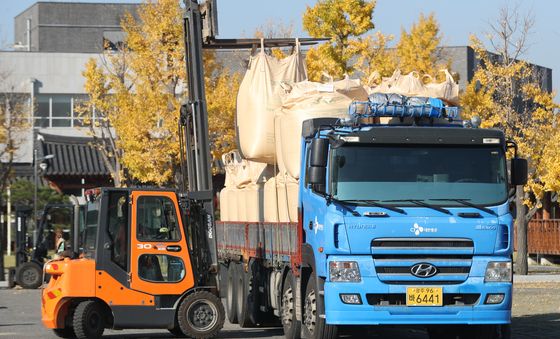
536	312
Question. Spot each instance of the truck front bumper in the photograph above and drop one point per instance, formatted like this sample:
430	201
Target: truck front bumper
370	312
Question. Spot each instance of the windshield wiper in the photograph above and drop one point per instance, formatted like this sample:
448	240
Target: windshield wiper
465	202
342	204
423	204
377	204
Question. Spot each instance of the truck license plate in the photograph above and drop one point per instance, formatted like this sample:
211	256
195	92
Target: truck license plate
424	296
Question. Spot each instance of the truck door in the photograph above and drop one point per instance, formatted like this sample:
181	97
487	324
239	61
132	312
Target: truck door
160	262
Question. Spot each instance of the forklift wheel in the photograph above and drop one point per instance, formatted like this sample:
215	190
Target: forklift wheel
67	332
29	275
201	315
89	320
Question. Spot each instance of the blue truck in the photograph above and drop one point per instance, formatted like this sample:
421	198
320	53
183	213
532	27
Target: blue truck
406	222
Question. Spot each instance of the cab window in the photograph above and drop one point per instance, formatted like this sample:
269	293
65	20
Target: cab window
118	227
156	219
161	268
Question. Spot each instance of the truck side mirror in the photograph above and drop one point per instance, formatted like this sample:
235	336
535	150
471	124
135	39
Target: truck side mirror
519	171
317	167
319	150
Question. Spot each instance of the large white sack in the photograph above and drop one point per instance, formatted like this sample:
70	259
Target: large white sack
385	84
241	172
254	202
260	95
307	101
447	90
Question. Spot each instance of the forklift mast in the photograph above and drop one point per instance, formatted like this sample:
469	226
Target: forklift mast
196	182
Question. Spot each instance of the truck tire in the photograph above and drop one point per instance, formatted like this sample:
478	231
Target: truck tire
314	322
292	326
89	320
231	294
245	306
29	275
201	315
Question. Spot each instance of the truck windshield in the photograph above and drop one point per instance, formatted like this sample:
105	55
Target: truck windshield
383	173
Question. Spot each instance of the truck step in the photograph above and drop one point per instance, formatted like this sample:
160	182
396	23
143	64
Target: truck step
322	316
322	293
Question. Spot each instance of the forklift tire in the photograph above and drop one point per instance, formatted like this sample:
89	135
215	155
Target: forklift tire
67	332
201	315
29	275
89	320
176	331
231	294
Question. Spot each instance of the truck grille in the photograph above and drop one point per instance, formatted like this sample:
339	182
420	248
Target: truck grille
399	299
395	257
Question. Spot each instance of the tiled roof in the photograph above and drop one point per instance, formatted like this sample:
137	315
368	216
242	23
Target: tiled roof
73	156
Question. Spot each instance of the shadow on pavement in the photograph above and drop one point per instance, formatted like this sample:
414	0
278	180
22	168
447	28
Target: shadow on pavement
233	334
536	326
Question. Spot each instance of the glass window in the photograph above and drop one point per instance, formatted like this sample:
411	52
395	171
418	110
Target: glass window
61	122
161	268
90	231
118	227
61	106
156	219
43	106
476	174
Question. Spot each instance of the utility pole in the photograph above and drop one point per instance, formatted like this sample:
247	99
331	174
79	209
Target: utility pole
2	278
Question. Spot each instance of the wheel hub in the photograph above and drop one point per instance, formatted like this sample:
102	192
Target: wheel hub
202	315
287	307
310	312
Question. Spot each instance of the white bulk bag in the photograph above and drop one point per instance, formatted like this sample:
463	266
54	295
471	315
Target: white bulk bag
447	90
260	95
306	101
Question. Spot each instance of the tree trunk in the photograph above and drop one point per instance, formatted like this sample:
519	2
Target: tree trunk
521	228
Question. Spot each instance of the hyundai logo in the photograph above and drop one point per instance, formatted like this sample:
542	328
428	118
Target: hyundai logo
423	270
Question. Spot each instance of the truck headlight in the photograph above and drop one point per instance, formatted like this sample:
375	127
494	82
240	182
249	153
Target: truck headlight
498	271
344	271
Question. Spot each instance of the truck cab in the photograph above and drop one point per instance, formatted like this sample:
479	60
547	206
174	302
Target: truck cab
407	222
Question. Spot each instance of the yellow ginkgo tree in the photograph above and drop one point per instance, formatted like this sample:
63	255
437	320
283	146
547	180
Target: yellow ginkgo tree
136	92
419	49
345	22
507	94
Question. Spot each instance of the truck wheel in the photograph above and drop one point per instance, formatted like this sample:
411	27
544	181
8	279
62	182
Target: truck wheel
29	275
67	332
315	326
89	320
231	294
244	302
201	315
292	326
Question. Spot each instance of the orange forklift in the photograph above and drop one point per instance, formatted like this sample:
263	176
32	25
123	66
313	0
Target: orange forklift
147	257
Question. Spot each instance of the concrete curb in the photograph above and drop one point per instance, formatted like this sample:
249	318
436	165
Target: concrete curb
537	278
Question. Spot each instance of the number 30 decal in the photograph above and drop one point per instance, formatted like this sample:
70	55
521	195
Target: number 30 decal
144	246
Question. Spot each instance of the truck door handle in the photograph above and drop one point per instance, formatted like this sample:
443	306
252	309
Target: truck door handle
173	248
